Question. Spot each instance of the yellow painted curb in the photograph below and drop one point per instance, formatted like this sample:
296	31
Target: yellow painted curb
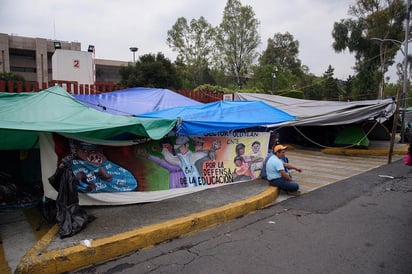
365	152
31	255
78	256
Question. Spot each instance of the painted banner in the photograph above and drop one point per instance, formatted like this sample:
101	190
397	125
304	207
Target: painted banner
172	163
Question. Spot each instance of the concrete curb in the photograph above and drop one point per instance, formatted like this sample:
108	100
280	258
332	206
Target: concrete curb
401	150
100	250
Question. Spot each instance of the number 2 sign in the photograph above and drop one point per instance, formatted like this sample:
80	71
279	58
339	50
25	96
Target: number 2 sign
76	63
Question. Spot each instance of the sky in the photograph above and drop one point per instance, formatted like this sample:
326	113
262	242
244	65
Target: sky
113	26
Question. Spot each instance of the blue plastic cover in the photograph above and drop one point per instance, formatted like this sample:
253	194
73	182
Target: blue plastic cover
134	101
222	116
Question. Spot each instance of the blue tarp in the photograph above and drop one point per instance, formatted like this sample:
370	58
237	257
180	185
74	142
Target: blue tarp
134	101
222	116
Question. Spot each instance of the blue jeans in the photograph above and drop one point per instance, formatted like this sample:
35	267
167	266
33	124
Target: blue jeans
284	184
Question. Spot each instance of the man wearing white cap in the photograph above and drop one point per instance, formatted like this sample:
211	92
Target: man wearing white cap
276	174
186	159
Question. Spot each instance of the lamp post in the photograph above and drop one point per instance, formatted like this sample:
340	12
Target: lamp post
405	68
133	50
405	65
91	49
382	58
274	69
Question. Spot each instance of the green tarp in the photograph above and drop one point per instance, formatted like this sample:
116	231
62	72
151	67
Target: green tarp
352	136
22	115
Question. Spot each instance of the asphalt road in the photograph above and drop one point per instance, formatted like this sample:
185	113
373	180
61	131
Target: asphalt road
361	224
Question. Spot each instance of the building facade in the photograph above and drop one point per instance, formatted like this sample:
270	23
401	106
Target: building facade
31	58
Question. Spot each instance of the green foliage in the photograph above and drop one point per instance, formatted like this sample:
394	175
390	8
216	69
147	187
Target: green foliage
330	85
298	94
151	71
9	76
5	76
219	89
372	19
194	44
391	89
312	89
282	51
365	85
226	62
237	40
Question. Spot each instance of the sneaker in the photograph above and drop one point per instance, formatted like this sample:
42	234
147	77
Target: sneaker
295	193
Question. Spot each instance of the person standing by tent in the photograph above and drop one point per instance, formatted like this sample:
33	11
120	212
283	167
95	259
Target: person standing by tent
276	174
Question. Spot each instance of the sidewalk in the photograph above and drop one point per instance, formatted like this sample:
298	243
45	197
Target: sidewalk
119	230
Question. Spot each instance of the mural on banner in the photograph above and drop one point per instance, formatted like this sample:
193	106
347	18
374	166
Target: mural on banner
95	173
170	163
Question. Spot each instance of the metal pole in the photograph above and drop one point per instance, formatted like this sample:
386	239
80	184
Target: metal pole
273	78
273	82
394	126
382	83
133	50
405	70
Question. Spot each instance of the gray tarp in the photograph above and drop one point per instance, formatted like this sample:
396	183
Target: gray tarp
325	113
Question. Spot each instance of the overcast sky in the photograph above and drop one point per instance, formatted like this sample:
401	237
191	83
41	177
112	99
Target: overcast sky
113	26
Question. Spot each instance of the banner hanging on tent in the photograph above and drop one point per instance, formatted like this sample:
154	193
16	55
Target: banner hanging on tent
174	162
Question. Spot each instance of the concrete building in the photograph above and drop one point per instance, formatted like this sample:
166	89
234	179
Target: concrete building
32	59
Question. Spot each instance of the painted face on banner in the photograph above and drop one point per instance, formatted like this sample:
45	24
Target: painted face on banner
184	148
255	148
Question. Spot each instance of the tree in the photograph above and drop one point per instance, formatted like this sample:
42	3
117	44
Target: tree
237	39
194	44
347	91
150	71
282	50
312	87
330	85
281	62
11	76
381	19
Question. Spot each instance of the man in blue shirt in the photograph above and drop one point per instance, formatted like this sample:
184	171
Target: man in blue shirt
276	174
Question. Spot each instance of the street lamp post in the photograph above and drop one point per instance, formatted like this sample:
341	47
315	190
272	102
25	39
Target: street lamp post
405	65
134	49
405	68
382	58
274	69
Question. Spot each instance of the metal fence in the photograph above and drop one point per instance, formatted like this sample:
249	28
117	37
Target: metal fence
203	96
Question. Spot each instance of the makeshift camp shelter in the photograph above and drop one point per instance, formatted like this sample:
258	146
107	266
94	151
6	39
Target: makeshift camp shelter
55	110
58	120
137	100
323	120
194	117
323	113
222	116
28	116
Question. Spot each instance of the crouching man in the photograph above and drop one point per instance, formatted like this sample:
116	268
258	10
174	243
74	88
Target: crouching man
276	174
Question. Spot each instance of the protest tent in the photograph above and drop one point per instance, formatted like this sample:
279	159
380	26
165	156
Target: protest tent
221	116
29	120
136	100
321	121
324	113
55	110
